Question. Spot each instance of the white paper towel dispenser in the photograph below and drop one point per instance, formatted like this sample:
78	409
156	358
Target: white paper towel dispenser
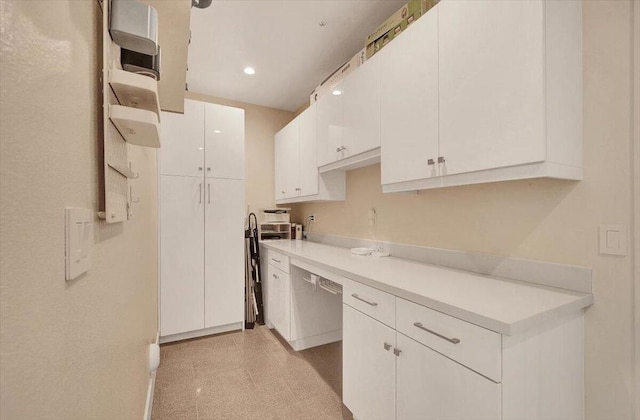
134	26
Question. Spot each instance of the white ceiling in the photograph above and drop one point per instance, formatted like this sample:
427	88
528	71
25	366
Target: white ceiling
282	40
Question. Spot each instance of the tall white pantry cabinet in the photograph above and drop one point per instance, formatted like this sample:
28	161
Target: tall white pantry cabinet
201	221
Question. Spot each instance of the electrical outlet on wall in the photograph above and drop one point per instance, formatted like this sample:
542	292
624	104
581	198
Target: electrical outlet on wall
372	217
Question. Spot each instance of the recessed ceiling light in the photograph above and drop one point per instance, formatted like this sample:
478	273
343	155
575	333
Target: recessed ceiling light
217	131
337	92
249	70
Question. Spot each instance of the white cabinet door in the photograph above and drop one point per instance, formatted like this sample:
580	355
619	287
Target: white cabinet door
307	153
291	180
224	252
274	308
330	122
433	387
181	254
409	103
267	286
491	70
286	161
280	303
361	108
224	141
182	151
279	165
368	368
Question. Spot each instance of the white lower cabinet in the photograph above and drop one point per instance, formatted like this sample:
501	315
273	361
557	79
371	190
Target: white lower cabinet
387	375
428	365
433	387
181	254
279	300
369	366
224	264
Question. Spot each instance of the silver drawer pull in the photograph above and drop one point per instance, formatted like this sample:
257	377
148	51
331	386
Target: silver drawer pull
355	296
275	277
274	260
451	340
387	346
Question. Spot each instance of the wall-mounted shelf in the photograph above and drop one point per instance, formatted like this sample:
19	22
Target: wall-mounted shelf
135	90
137	126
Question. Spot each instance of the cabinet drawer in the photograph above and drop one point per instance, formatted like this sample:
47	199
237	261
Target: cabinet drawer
475	347
373	302
278	260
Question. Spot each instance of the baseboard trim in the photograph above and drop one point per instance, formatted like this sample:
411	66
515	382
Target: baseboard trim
151	387
201	333
316	340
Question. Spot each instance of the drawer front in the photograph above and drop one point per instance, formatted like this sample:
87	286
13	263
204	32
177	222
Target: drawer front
373	302
278	260
468	344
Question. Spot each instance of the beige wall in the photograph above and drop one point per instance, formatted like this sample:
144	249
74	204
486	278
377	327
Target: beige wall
68	350
539	219
261	124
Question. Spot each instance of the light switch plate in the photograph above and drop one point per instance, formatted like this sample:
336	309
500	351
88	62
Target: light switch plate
613	239
78	241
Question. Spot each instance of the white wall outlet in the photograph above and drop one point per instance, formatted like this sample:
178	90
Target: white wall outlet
372	217
613	239
78	241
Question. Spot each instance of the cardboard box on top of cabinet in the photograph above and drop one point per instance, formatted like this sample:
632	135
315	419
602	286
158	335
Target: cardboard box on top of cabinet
396	23
338	75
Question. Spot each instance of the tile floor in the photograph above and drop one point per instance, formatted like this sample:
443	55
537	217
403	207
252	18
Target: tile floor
248	375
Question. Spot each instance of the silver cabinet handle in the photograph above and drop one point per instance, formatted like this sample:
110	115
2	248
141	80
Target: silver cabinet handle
275	277
274	260
397	351
451	340
201	193
209	193
431	162
208	169
199	168
440	159
355	296
387	346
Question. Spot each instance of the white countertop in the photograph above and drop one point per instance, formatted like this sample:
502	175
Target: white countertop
501	305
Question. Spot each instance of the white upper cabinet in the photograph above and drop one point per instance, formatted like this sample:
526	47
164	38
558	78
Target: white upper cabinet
224	141
499	95
286	161
361	108
330	124
409	104
307	153
491	72
349	116
296	164
182	150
